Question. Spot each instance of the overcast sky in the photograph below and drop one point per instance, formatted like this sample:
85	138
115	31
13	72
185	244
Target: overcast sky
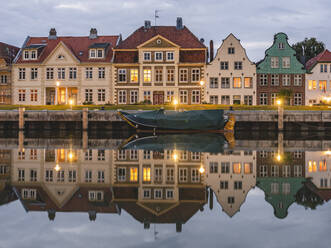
254	22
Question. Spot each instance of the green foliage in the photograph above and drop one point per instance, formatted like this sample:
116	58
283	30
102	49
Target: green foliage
308	48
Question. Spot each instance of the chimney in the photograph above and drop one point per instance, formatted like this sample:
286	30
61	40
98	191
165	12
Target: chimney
52	34
211	49
179	23
202	40
147	24
93	33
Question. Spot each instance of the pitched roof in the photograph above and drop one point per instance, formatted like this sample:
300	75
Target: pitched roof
77	45
324	56
5	48
182	37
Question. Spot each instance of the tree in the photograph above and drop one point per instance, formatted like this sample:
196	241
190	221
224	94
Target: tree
307	49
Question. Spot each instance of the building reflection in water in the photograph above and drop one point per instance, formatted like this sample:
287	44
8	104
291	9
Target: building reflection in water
163	185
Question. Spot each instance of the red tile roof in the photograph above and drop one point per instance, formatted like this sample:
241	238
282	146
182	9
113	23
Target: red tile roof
126	57
192	56
75	44
182	37
4	48
324	56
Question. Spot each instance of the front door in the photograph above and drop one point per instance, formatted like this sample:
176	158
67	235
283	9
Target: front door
50	96
158	97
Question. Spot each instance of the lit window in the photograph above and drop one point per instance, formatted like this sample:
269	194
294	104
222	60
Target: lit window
134	75
312	84
248	82
248	168
237	82
147	75
236	168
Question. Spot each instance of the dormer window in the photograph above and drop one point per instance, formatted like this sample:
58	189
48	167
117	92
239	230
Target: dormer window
26	55
33	54
30	55
96	53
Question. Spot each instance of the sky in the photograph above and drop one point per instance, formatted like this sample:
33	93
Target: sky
254	22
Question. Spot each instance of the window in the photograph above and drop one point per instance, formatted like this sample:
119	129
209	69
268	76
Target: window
88	155
322	85
274	171
195	75
147	194
157	193
230	50
170	75
238	65
236	82
263	171
297	99
274	62
72	73
101	95
21	175
312	84
286	80
297	80
170	174
169	193
147	56
121	155
133	96
33	54
236	99
100	53
224	184
88	176
122	96
230	200
248	82
88	95
225	100
298	169
170	95
248	100
95	196
89	72
248	168
49	175
213	99
213	83
195	175
147	75
61	73
30	194
134	75
195	96
183	75
274	97
274	80
33	95
146	174
274	188
26	55
133	174
122	75
225	82
158	174
224	65
147	96
33	175
182	175
49	73
72	176
147	154
3	79
263	99
236	168
92	53
281	45
101	72
34	73
170	56
121	174
133	155
213	167
158	56
237	185
60	176
263	80
286	62
21	95
225	167
21	73
183	96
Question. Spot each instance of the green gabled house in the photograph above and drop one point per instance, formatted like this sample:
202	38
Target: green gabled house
280	192
279	74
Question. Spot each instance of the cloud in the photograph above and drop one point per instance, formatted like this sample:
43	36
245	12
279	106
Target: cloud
78	6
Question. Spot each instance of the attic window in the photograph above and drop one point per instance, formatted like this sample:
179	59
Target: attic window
30	55
158	41
96	53
281	45
60	56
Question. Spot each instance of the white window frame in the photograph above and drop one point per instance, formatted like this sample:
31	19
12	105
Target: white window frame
274	62
121	74
158	56
172	55
93	52
196	97
172	192
134	95
122	97
155	194
149	55
195	75
286	62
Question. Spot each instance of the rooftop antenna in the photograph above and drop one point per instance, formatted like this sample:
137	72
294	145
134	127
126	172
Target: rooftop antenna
156	15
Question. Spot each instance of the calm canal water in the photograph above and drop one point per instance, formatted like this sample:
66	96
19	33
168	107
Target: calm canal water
166	191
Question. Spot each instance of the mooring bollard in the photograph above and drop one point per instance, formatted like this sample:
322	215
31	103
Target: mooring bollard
85	119
21	118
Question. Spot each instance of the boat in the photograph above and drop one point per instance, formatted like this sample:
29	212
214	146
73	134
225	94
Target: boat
213	120
197	142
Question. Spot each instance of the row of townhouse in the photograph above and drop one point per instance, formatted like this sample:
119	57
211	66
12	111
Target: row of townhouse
157	64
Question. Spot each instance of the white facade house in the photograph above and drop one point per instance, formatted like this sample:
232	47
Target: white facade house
318	79
231	76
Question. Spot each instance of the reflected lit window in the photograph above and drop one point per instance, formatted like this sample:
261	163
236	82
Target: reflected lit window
248	168
312	166
322	165
147	174
133	174
236	168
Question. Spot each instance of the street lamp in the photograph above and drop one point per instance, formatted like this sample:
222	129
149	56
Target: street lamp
202	84
57	92
201	169
57	167
279	102
71	102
